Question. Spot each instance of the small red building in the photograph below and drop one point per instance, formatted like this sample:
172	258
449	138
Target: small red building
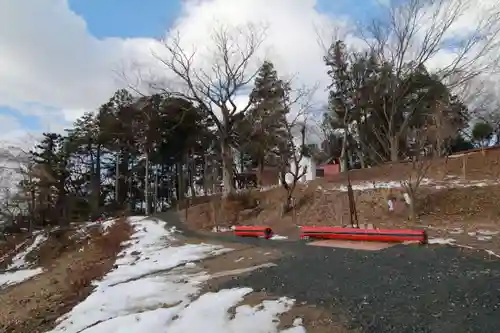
330	168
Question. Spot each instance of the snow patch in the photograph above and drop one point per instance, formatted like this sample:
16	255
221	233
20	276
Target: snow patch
15	277
223	229
155	288
441	241
278	237
487	232
19	261
209	313
18	270
456	231
447	183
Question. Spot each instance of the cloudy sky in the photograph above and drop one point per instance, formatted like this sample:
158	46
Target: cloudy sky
59	58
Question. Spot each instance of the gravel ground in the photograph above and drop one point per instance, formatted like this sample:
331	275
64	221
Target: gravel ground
399	289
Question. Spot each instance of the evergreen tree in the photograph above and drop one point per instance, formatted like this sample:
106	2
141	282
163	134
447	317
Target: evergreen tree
263	130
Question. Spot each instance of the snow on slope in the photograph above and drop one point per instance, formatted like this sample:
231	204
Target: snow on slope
155	287
438	184
18	270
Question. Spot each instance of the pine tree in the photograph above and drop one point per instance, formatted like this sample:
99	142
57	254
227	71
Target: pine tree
265	120
52	158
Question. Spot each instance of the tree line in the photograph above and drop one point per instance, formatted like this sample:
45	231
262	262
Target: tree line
146	152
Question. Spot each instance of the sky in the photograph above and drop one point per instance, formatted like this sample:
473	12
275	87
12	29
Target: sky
61	58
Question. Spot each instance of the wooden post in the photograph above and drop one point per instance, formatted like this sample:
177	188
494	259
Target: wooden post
464	166
353	215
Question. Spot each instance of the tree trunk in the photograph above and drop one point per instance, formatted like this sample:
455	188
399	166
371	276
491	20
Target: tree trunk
156	191
227	169
361	156
124	179
146	185
361	149
117	178
413	210
261	172
192	173
180	182
394	147
96	184
350	159
343	153
205	175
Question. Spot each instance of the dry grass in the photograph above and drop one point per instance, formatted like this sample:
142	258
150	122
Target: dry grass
33	306
316	205
8	248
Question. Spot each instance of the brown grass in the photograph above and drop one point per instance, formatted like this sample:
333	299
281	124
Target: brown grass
8	248
316	205
34	305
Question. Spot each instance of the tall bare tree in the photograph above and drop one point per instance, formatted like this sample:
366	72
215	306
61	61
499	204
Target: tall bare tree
292	146
214	85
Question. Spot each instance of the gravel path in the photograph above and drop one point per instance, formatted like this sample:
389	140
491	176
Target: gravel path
399	289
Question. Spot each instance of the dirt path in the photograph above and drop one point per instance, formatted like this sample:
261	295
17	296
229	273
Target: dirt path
246	259
400	289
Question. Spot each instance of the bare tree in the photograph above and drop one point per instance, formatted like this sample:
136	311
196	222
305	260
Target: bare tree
415	33
292	149
420	161
16	176
213	87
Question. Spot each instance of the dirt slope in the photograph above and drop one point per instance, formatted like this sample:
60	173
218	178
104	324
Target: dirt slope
450	201
70	264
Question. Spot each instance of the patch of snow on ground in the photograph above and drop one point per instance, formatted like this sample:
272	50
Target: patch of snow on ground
452	242
278	237
18	270
223	229
441	241
83	228
487	232
483	235
374	185
456	231
19	261
14	277
154	288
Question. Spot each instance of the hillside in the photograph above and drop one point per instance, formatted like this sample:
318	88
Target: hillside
44	274
446	200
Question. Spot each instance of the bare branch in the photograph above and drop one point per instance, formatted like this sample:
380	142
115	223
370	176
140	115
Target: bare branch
212	81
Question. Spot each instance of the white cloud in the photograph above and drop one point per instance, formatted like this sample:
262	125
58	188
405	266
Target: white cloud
49	59
52	67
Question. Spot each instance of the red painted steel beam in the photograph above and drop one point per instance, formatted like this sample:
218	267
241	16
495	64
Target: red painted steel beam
379	235
253	231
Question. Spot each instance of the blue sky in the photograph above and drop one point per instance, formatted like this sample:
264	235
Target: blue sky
151	18
119	18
